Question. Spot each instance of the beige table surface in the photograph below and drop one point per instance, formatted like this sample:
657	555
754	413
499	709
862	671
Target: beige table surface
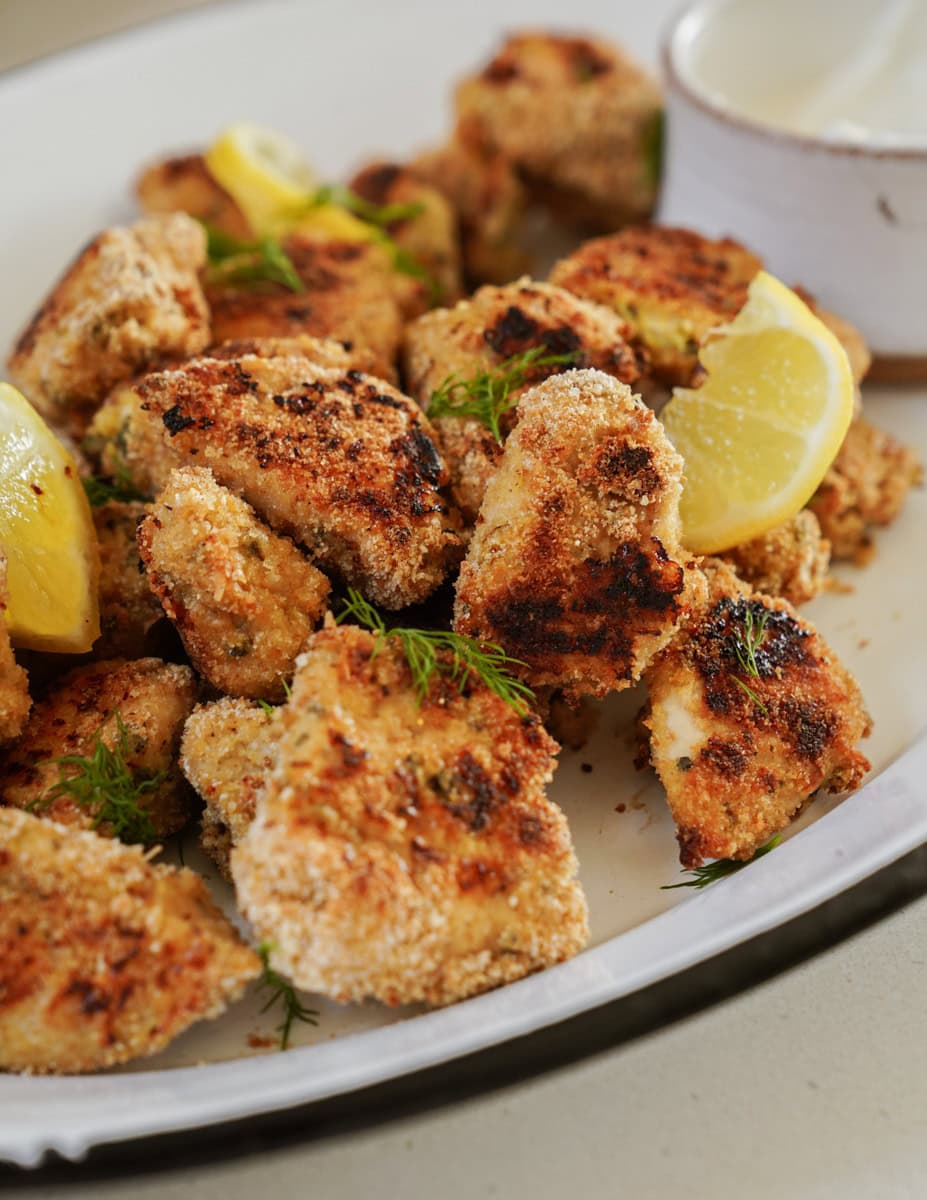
810	1087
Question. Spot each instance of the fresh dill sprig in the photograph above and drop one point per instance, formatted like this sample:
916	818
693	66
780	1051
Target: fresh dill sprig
703	876
653	143
431	652
268	708
487	396
103	784
745	650
381	215
232	260
283	992
119	486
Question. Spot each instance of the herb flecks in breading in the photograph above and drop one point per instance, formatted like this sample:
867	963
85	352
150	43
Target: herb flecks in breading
487	396
431	652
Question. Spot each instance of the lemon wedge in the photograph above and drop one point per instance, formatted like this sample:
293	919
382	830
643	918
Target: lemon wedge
47	534
267	176
759	434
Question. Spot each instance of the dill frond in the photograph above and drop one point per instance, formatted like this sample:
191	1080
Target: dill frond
437	652
704	875
487	396
745	651
246	264
119	486
282	992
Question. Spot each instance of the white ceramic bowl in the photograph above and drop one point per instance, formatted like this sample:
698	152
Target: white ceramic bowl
845	218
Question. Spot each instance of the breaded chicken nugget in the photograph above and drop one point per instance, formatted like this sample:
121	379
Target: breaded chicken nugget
429	235
104	957
482	334
338	460
15	701
575	567
670	285
324	352
227	753
405	850
867	484
131	298
185	184
128	609
847	335
790	561
490	202
349	296
750	714
136	710
577	116
243	598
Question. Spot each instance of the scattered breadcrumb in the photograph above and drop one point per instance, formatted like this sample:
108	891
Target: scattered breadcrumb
406	851
106	957
243	598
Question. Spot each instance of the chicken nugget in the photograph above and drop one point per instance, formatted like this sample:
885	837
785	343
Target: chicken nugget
576	567
15	700
104	957
130	298
243	598
403	848
750	714
340	461
185	184
123	721
484	336
791	561
128	608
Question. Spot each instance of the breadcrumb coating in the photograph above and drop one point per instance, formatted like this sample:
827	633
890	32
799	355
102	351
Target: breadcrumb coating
340	461
243	598
791	561
740	753
490	202
104	957
184	183
430	236
406	851
152	698
576	567
128	609
227	752
867	485
579	119
131	298
479	335
349	296
15	700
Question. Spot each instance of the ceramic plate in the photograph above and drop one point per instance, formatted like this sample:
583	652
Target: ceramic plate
348	81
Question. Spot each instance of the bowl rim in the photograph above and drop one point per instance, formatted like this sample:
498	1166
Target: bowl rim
703	10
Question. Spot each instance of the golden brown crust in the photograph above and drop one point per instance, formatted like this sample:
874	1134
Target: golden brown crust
575	567
104	957
349	296
578	118
404	851
340	461
152	698
130	299
243	598
671	286
867	485
479	334
15	700
847	335
227	753
737	767
490	202
128	609
184	183
791	561
430	236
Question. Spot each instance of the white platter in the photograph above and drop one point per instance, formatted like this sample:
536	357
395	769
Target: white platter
348	80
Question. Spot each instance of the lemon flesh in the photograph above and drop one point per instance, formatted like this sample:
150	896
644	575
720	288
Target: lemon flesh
47	535
760	433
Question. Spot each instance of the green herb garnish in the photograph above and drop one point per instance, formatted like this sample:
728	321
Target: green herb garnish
745	650
234	261
653	148
381	215
708	873
104	785
283	992
431	652
487	396
119	486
